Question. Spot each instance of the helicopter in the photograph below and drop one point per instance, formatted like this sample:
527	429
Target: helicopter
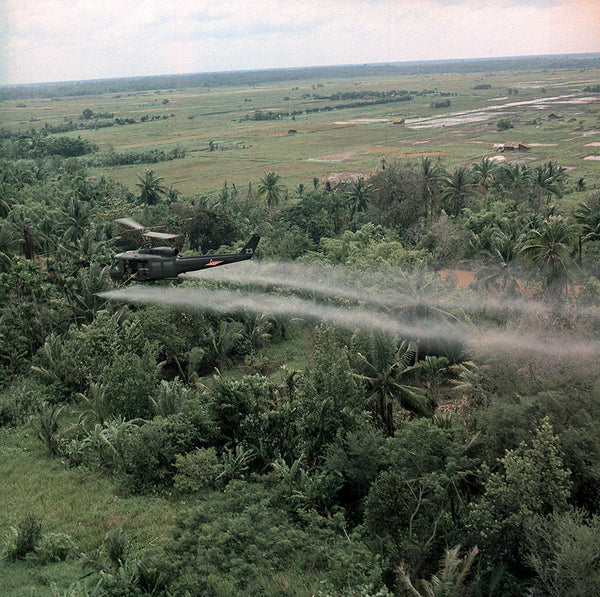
160	263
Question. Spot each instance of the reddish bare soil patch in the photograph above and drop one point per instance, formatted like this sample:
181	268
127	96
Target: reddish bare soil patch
458	278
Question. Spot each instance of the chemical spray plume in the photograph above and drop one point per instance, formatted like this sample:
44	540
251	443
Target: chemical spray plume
424	328
389	287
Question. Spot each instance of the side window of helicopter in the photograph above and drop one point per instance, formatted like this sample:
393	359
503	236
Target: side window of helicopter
143	268
132	267
117	266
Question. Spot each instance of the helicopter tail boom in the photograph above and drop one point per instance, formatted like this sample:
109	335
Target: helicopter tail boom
250	246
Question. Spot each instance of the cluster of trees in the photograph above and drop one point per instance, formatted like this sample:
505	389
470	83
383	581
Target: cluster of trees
364	97
35	145
355	473
113	158
38	143
44	144
259	115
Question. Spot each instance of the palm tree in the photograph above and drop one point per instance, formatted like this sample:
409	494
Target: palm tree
5	201
358	197
93	406
84	296
88	248
506	241
385	369
150	187
271	189
45	425
430	175
32	239
420	289
587	215
483	173
516	179
222	341
172	194
549	179
9	246
515	174
170	397
550	248
448	582
257	328
76	214
458	187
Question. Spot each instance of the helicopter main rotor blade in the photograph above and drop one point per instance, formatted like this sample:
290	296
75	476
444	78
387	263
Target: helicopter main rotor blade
161	235
131	223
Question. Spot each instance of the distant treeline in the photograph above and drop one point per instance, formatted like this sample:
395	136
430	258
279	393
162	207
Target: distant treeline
97	123
257	77
363	94
129	158
33	145
275	115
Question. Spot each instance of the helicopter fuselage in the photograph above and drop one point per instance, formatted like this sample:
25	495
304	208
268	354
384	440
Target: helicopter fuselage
160	263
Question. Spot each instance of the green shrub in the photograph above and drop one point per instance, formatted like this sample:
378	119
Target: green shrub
151	450
196	470
232	401
20	400
504	124
25	538
55	547
564	551
129	382
241	541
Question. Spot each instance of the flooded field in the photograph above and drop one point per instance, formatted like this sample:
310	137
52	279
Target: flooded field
496	111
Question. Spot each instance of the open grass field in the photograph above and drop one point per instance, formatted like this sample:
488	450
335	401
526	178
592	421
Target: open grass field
336	139
48	488
85	505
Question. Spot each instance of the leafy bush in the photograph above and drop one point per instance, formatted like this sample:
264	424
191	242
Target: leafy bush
564	551
25	538
19	400
332	402
151	450
196	470
533	480
415	502
55	547
357	458
122	569
129	383
241	540
231	401
127	158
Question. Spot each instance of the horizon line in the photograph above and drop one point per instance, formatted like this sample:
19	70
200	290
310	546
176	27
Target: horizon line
387	63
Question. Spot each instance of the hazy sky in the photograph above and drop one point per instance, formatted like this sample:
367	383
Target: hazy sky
61	40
